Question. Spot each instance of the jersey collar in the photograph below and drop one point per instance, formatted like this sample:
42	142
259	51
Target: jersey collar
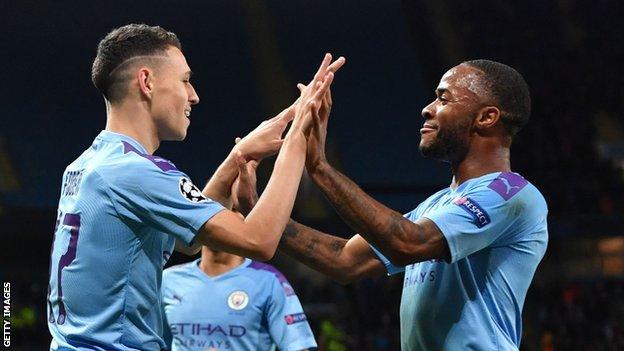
203	275
109	136
485	177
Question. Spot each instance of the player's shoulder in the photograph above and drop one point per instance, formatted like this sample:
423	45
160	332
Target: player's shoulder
127	165
272	276
269	274
128	158
508	191
428	202
264	269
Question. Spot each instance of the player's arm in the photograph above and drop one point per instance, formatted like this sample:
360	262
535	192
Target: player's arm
258	234
239	198
399	239
343	260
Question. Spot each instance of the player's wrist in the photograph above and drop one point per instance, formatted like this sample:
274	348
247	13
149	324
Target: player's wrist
318	167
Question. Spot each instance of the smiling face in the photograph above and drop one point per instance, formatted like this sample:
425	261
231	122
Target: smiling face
447	130
172	96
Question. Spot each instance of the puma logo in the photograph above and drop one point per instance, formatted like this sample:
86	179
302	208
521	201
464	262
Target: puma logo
508	186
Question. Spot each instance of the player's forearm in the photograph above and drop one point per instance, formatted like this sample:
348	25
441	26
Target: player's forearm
385	228
268	218
220	184
317	250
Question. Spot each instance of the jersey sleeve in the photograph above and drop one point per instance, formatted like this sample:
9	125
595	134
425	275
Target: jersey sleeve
288	324
477	219
392	269
164	199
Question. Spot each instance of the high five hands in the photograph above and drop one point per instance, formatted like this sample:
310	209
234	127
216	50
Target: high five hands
309	114
313	95
266	139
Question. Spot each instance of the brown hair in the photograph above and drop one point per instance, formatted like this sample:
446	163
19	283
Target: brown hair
119	47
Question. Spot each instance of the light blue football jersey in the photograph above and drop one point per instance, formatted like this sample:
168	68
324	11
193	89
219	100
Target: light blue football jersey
116	208
495	226
251	307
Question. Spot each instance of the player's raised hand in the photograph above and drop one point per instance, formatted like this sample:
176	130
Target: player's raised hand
266	139
315	151
313	93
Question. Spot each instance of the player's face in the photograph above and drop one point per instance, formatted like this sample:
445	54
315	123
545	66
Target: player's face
446	133
172	97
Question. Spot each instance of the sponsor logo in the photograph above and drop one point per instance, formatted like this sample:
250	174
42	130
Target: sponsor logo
238	300
477	212
295	318
508	184
177	298
190	191
207	329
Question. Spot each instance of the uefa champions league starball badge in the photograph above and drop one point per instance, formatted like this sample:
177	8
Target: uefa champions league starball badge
238	300
190	191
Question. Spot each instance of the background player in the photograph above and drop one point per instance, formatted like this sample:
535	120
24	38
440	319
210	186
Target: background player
227	302
469	251
118	200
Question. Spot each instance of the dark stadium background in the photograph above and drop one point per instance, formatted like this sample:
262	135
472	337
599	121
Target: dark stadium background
249	54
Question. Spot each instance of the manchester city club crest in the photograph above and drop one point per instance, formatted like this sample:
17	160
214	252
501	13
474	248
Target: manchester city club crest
190	191
238	300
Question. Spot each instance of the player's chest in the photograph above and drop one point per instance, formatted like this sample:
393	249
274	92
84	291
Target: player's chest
218	303
423	274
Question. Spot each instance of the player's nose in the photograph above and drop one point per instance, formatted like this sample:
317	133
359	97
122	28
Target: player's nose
193	97
428	111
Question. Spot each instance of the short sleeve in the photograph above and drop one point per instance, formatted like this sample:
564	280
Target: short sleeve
476	219
162	198
288	324
392	269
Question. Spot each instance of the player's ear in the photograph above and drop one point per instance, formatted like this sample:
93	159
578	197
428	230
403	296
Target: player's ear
487	117
145	78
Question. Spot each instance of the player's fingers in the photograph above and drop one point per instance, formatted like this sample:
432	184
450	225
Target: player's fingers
320	92
323	68
335	66
253	164
240	159
237	139
328	97
287	115
301	87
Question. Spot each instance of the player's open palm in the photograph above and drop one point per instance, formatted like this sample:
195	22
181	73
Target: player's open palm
266	139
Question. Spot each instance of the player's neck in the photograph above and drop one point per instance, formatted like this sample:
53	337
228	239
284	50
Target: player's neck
481	161
215	263
134	121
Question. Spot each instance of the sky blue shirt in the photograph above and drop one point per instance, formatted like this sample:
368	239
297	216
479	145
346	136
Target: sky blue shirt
116	208
251	307
495	226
